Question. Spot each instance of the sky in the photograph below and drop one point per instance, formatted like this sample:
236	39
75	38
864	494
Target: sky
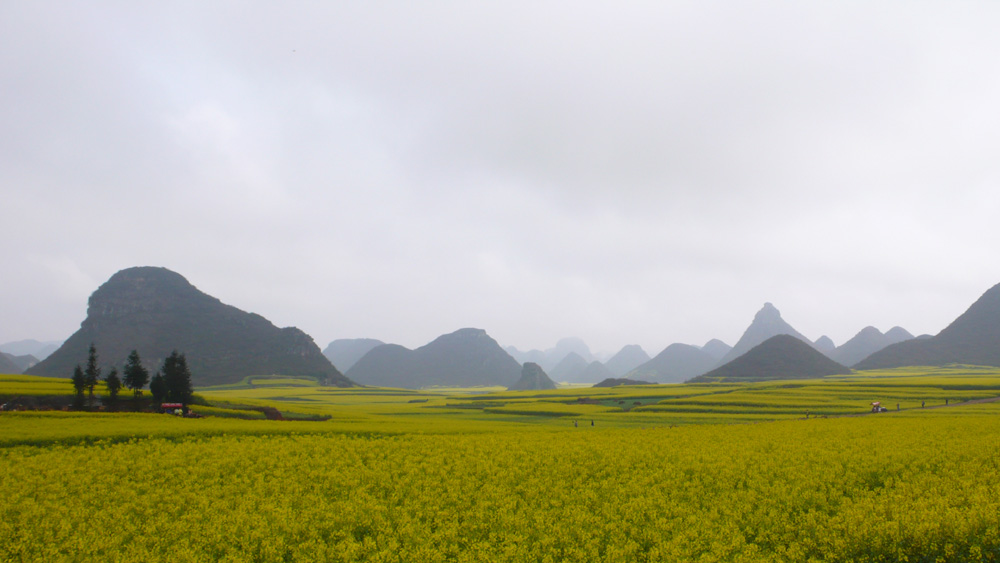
627	173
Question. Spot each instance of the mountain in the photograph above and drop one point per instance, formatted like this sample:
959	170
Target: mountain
533	356
533	378
615	382
22	363
972	338
675	364
779	357
7	365
156	311
550	358
866	343
465	358
346	352
766	323
40	350
825	345
567	346
898	334
594	372
570	368
626	360
716	348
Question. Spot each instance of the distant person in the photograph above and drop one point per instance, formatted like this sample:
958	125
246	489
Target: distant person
591	422
922	403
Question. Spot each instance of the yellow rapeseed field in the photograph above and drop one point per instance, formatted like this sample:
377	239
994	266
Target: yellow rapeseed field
875	488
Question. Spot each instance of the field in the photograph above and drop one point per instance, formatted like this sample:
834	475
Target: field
665	473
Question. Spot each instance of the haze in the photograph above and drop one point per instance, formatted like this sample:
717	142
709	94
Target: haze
640	173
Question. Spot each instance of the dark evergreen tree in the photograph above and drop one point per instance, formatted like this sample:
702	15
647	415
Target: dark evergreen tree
92	373
79	385
158	389
114	385
136	376
177	378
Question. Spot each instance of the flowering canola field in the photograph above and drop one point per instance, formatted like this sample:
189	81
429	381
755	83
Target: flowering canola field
919	487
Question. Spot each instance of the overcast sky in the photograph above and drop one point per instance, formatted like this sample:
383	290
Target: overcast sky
641	173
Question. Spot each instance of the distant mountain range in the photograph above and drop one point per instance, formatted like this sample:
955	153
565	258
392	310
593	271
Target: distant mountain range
16	364
346	352
866	343
464	358
7	364
626	360
550	358
570	369
972	338
156	311
533	378
766	323
34	348
780	357
675	364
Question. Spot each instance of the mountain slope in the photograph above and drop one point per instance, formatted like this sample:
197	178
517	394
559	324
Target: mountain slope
766	323
626	360
865	343
7	365
533	378
716	348
972	338
779	357
594	372
675	364
39	350
464	358
156	311
346	352
569	368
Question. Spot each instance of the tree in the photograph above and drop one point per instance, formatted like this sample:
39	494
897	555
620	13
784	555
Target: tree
79	385
92	373
114	385
136	376
158	388
177	379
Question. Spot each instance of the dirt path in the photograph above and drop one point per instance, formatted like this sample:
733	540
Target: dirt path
890	411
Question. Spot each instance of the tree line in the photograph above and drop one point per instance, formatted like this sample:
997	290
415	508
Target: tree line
172	382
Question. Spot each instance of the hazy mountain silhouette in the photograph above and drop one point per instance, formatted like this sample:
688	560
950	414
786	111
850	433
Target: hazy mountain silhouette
570	368
766	323
31	347
531	356
972	338
716	348
626	360
533	378
825	345
7	364
866	342
779	357
21	363
616	381
550	358
464	358
346	352
675	364
898	334
156	311
594	372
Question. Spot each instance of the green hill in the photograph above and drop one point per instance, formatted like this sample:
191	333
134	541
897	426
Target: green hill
972	338
779	357
464	358
533	378
156	311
